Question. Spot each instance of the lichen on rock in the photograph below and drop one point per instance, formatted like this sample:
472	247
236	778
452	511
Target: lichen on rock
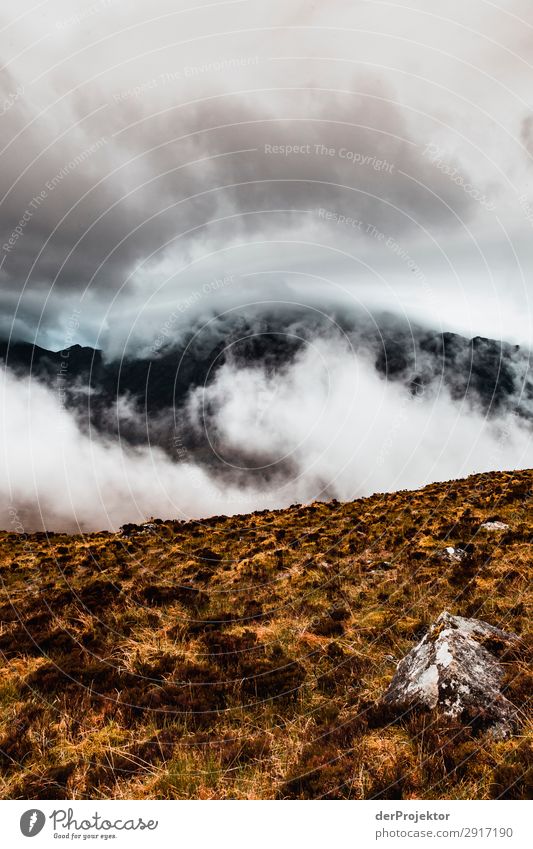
455	668
494	525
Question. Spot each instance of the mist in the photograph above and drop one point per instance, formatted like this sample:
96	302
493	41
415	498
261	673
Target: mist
55	477
325	426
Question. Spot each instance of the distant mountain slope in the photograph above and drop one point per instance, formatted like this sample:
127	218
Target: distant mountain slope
134	397
246	657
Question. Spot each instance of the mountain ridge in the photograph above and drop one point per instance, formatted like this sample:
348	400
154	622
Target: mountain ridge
143	400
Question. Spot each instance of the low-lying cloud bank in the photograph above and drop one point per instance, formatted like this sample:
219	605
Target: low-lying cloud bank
56	477
327	425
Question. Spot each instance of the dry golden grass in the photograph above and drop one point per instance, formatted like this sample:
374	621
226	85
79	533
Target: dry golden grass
246	657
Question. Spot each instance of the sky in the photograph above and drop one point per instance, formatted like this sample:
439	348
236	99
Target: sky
167	163
377	152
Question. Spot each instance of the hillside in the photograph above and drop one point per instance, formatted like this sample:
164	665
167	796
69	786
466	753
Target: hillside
246	657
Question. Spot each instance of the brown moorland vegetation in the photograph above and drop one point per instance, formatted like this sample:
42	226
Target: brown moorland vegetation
246	656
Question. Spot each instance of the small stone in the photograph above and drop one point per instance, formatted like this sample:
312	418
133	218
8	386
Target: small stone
452	554
494	526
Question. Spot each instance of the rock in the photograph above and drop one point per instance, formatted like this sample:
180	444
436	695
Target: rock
452	555
455	668
494	526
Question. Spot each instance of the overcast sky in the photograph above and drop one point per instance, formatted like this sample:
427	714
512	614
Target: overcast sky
150	151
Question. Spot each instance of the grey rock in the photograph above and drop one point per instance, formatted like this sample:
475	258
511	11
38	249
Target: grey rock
494	526
455	668
452	554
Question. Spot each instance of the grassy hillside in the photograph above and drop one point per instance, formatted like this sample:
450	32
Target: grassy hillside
245	657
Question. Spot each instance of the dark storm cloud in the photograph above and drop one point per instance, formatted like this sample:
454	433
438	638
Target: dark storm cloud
88	199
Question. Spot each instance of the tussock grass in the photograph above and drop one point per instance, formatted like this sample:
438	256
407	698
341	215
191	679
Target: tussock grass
246	657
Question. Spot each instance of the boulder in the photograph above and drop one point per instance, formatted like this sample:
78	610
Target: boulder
455	668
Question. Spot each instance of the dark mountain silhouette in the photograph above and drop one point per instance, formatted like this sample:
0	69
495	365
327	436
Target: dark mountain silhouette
485	374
